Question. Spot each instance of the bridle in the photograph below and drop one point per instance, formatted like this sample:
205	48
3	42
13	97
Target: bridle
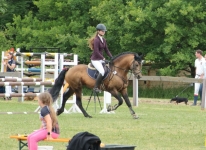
134	68
131	70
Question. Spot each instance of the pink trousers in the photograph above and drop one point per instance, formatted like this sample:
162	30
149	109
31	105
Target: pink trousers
37	136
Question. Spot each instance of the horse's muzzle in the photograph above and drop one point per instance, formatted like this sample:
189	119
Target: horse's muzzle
138	77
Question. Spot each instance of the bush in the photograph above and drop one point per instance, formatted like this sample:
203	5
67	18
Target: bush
155	92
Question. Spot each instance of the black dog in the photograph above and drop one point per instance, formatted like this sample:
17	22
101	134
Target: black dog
179	100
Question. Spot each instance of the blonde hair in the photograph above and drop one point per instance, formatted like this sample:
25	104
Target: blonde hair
46	99
91	41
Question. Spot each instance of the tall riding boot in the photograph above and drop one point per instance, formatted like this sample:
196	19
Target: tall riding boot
195	100
98	82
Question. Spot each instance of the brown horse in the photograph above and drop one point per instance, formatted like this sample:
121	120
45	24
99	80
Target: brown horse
115	83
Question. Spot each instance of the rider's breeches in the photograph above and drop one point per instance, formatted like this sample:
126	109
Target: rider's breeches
98	65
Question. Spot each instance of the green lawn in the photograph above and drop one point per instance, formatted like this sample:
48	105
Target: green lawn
161	126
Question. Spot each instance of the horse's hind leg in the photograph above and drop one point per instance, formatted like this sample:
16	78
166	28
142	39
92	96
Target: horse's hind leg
127	101
66	95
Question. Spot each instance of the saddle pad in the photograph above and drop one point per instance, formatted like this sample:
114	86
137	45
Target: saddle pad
94	73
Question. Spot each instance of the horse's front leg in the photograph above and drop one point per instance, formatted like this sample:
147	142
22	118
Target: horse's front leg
79	103
66	96
120	101
127	101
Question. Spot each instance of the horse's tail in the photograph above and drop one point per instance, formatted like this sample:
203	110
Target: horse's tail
54	91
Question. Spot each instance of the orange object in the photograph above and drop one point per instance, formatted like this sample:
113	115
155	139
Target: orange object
23	140
32	62
102	145
65	87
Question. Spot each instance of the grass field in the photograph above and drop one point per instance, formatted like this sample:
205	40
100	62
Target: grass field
161	126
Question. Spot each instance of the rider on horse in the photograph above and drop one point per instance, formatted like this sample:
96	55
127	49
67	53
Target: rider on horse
98	44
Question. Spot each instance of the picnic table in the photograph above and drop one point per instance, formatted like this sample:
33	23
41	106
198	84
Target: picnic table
22	139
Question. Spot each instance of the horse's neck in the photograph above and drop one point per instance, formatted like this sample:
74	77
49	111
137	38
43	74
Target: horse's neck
123	65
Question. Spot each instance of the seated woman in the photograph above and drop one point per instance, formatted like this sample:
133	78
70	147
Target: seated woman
49	125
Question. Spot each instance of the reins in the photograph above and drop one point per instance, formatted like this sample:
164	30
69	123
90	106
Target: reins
114	72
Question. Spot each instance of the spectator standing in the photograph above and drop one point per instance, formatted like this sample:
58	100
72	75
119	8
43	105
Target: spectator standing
199	65
10	66
201	85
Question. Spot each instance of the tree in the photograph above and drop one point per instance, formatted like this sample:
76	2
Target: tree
166	32
3	7
170	32
14	7
59	23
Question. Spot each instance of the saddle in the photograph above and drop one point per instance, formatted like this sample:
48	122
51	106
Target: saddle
93	72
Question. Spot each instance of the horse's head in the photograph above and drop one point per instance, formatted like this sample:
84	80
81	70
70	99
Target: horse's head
136	66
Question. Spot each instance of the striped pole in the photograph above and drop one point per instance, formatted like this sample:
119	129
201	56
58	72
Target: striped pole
10	113
39	54
36	69
20	79
25	83
32	62
27	54
19	94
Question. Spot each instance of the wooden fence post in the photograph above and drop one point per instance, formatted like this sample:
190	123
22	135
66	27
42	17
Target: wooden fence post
135	91
203	95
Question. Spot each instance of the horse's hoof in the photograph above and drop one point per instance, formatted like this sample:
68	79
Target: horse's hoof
109	108
58	112
135	116
88	116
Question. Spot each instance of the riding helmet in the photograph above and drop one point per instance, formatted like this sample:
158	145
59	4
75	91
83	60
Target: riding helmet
101	27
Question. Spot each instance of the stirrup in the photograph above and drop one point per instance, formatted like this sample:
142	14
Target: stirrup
96	90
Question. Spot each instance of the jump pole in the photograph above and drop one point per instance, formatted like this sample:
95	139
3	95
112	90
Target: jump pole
14	113
20	79
25	83
21	88
43	64
74	108
35	70
19	94
107	102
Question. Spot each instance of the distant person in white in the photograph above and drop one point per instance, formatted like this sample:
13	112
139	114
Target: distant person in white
201	85
199	65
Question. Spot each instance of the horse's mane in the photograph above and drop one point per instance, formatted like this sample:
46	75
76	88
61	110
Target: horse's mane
124	53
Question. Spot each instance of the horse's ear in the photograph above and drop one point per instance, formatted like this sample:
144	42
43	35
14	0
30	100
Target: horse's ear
142	56
137	57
